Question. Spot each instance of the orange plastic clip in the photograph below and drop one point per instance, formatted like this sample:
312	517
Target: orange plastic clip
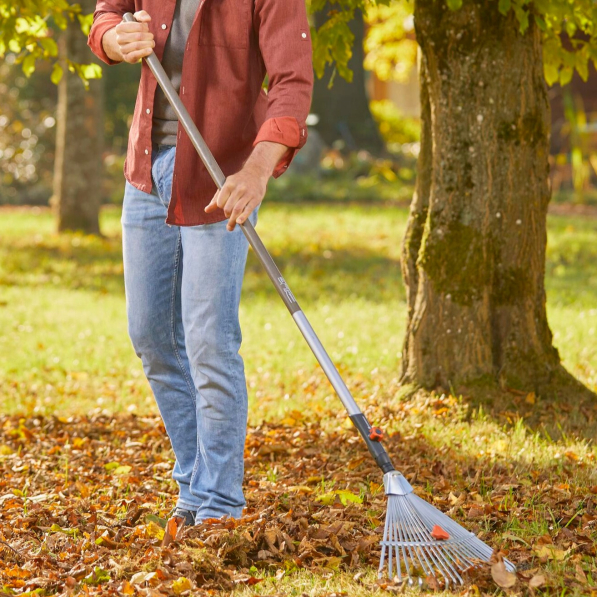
376	434
439	533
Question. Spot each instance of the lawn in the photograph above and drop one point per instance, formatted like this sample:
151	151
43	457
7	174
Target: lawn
64	328
64	351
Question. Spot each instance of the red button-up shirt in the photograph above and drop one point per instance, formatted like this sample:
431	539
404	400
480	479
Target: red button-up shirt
231	46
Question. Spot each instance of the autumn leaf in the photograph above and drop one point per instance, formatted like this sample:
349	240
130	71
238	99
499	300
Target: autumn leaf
97	577
347	497
501	576
142	577
537	581
181	585
551	552
154	530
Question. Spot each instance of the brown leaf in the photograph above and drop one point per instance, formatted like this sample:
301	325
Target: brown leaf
475	512
265	555
501	576
537	581
270	537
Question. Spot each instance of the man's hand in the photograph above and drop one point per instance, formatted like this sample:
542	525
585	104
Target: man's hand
130	42
244	191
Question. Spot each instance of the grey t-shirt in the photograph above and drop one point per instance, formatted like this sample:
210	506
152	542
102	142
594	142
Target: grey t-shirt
165	123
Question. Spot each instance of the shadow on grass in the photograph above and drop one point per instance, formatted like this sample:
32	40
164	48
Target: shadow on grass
96	265
70	262
362	273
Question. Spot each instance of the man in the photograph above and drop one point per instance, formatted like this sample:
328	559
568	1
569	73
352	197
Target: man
184	256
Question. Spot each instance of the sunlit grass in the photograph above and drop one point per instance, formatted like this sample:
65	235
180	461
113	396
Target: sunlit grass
64	330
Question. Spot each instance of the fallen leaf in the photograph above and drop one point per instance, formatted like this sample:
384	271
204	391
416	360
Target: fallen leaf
142	577
537	581
181	585
153	530
501	576
551	552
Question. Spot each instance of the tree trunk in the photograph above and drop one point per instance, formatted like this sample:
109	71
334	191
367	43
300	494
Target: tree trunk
343	109
79	139
474	253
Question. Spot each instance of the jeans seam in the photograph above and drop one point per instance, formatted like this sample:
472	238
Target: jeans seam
189	383
240	465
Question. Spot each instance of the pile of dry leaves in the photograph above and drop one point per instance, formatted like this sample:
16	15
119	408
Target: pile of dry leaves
83	502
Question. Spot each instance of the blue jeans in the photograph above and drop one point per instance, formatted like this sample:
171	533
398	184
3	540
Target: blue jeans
183	287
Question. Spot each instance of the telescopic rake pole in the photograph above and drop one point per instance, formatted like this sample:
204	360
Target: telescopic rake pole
418	539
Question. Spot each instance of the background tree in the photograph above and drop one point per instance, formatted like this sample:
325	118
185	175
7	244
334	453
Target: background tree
24	30
341	103
78	171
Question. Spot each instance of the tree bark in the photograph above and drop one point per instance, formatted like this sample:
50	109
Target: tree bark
343	109
79	139
474	252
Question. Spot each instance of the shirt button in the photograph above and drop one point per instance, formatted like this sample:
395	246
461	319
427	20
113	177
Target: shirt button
147	152
304	36
148	111
164	26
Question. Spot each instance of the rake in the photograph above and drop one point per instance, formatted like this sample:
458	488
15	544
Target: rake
418	539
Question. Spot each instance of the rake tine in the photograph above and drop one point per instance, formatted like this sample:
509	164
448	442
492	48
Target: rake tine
426	566
406	549
398	562
435	557
394	532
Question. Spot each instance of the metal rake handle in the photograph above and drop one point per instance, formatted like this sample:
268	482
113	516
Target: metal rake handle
356	415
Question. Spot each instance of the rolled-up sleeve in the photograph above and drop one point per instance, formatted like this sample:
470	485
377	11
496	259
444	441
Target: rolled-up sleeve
285	44
108	13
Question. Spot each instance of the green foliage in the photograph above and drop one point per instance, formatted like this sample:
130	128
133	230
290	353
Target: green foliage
332	42
26	31
454	4
393	125
569	30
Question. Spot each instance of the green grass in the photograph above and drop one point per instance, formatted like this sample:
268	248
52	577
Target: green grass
64	327
64	347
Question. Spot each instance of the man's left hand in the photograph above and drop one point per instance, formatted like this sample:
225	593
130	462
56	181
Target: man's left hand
241	195
244	191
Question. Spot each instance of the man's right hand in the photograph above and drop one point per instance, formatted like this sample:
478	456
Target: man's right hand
130	42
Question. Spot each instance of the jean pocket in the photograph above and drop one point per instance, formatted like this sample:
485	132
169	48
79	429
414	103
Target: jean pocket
226	23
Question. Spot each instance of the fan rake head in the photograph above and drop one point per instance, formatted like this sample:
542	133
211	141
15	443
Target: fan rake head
421	541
